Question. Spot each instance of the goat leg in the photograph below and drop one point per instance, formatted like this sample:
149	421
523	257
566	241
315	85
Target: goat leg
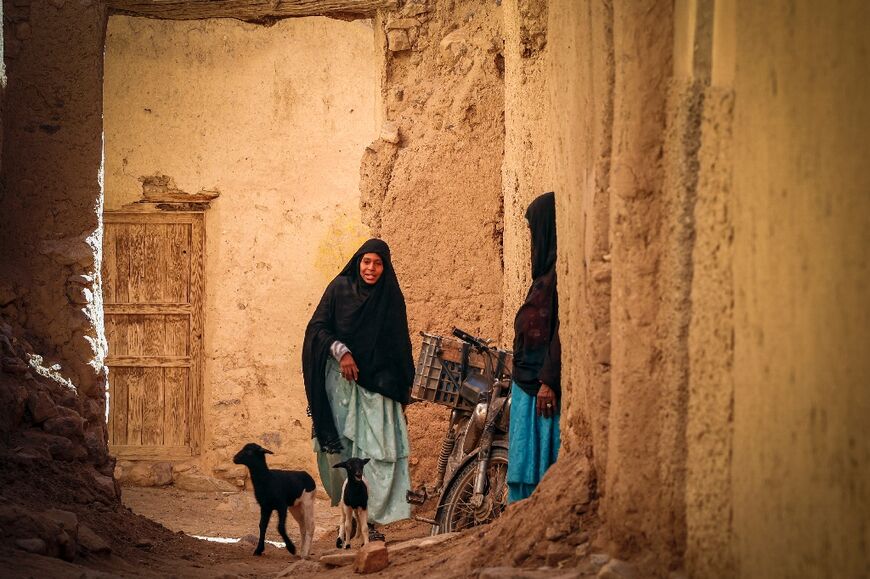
339	541
282	529
363	518
265	514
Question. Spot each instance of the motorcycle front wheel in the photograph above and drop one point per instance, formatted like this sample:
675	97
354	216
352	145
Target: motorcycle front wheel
457	512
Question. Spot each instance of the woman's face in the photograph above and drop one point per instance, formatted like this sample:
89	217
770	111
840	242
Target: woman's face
371	266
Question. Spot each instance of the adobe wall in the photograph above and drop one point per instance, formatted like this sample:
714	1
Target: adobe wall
527	168
435	193
276	119
801	218
738	240
50	223
581	93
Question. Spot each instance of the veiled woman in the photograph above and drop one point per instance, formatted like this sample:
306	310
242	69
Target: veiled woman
536	392
358	371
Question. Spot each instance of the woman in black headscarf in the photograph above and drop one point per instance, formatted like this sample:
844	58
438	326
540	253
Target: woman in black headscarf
358	370
536	391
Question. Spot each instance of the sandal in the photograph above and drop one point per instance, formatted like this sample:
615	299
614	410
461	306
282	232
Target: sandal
374	535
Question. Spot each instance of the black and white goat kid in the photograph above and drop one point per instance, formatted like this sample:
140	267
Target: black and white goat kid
354	502
279	490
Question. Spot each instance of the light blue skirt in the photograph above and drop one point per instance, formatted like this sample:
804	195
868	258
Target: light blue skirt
372	426
534	445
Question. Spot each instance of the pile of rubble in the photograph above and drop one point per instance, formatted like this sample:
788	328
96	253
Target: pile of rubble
50	455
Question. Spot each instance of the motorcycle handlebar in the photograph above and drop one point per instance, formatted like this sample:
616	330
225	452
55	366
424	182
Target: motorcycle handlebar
466	337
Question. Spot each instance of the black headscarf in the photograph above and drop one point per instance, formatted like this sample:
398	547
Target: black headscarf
372	322
537	349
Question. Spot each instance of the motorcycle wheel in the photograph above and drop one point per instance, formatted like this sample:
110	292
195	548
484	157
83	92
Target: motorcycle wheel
457	512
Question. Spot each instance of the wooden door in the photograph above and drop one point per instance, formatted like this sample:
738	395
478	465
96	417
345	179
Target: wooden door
152	293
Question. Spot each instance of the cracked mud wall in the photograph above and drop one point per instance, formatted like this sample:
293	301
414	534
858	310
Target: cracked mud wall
435	193
50	222
276	119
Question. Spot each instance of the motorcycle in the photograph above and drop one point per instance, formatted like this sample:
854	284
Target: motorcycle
473	379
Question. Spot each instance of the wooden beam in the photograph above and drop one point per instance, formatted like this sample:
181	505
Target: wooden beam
249	10
146	309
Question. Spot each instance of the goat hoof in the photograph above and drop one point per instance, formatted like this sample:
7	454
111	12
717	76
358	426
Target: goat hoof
339	543
347	546
291	548
258	552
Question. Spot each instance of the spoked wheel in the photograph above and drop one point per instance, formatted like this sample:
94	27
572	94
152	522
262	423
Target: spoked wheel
457	511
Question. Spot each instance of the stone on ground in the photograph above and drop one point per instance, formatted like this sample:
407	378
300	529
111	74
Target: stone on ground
373	557
558	552
92	542
616	569
599	559
338	558
301	567
423	542
34	545
68	521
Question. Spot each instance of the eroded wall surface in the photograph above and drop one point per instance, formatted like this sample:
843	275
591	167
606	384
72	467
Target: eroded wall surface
435	193
738	238
276	119
50	222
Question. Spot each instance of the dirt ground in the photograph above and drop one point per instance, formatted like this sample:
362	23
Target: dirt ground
152	533
217	515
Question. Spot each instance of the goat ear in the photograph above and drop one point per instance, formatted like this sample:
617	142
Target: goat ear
366	460
340	465
266	451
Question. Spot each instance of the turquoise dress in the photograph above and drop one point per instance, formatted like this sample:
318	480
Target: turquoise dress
372	426
534	445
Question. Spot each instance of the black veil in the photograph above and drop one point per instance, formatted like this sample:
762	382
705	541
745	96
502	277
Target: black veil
372	322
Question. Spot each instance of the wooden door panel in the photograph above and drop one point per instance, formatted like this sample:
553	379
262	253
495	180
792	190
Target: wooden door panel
135	403
118	404
153	278
175	384
154	340
176	289
153	410
136	262
177	335
110	267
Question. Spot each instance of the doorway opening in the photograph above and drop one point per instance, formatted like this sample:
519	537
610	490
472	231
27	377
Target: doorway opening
232	155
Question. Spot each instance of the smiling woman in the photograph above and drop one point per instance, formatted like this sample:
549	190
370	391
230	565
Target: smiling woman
358	372
371	266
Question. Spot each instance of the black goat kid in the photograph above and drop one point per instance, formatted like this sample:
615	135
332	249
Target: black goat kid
354	502
279	490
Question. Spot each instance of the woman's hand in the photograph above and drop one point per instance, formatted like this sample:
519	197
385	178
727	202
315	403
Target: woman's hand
349	369
545	402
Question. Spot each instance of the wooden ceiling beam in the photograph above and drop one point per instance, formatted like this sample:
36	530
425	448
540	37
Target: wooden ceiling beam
248	10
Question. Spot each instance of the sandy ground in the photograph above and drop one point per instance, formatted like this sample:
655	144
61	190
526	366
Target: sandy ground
225	516
152	533
218	515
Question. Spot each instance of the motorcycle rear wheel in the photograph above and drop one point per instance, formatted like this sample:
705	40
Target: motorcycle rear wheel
457	512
